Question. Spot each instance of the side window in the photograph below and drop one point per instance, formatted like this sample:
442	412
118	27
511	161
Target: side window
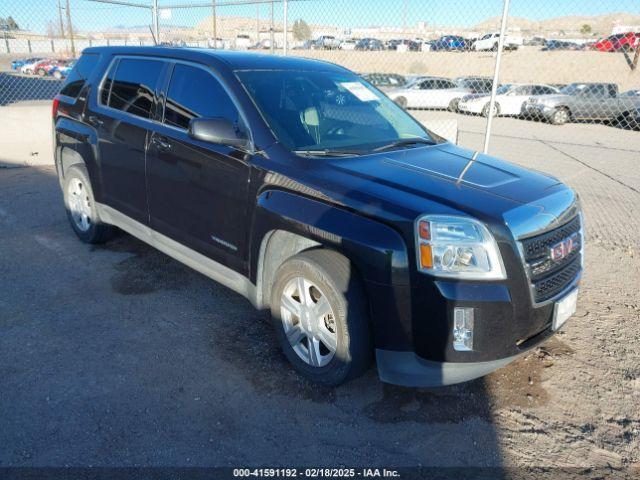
79	75
106	84
595	91
444	84
193	93
134	84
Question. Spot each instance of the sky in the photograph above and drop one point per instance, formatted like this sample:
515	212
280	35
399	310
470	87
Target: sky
88	15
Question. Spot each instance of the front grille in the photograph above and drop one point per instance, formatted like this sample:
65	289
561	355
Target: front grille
550	277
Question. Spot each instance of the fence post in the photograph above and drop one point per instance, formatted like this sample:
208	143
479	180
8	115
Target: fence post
53	46
6	43
156	25
271	32
496	75
29	45
285	45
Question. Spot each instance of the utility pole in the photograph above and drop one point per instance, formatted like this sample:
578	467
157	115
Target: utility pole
285	46
70	29
60	19
215	26
154	20
273	47
257	23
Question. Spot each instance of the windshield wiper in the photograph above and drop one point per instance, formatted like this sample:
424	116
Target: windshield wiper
327	153
404	143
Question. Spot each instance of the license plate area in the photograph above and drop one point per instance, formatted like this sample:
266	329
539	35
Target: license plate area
564	309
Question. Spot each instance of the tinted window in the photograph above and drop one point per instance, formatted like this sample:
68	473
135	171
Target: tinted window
595	90
79	75
134	86
194	92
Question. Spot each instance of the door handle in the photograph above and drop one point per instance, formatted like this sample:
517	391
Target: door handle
161	142
94	120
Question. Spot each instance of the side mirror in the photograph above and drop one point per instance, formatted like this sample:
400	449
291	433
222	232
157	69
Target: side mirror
217	130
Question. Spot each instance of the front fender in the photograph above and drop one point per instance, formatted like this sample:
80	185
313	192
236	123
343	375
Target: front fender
377	250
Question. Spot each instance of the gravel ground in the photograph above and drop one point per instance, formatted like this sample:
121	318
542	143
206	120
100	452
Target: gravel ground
117	355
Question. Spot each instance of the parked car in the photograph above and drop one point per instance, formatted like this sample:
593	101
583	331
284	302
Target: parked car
326	42
19	63
29	66
535	42
490	41
348	45
296	184
429	92
372	44
510	99
62	69
243	42
449	43
43	68
561	45
582	101
621	41
475	84
633	119
385	81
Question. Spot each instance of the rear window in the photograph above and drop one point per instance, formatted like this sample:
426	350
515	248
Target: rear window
133	86
82	70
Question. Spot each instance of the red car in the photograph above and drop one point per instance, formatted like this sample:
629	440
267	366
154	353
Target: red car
44	66
619	41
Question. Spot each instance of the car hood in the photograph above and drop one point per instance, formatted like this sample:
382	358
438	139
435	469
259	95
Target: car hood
426	178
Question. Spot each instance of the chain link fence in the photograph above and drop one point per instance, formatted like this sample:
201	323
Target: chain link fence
559	62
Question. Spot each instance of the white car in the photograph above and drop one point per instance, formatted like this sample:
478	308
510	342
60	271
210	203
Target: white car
28	67
429	92
348	45
243	42
490	42
510	99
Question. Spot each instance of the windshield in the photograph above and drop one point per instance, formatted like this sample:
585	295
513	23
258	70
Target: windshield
328	111
502	89
573	88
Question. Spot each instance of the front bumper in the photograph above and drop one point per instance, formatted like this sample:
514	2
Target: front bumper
537	110
469	107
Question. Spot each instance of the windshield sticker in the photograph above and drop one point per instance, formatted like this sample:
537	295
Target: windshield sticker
359	91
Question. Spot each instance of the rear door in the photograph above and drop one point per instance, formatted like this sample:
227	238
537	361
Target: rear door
127	104
198	190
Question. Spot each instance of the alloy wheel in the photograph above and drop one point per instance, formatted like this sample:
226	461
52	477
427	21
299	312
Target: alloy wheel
309	322
79	204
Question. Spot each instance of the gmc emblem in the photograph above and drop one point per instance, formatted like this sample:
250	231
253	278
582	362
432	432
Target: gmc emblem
563	249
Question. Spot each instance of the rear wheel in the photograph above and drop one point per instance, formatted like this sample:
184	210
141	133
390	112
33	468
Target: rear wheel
81	208
41	72
453	105
401	101
496	110
319	313
560	116
57	75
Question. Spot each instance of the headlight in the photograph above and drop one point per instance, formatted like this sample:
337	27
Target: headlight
457	247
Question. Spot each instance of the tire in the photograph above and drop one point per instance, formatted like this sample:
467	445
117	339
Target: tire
453	105
81	209
41	72
485	110
340	336
494	48
402	102
57	75
560	116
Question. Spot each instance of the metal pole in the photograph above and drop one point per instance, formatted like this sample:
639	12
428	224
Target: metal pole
271	36
215	27
257	23
285	45
496	74
156	24
70	29
60	19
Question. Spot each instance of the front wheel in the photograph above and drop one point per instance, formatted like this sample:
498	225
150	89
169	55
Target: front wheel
81	207
496	110
560	116
453	105
319	313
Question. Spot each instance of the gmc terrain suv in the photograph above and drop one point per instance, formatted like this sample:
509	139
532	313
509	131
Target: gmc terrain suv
300	186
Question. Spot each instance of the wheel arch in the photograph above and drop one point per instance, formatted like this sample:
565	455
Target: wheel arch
287	223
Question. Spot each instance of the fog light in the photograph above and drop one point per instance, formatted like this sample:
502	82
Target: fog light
463	329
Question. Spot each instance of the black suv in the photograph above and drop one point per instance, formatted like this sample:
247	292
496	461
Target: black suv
299	185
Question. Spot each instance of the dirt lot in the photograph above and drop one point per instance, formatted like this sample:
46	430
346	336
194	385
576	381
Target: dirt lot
118	355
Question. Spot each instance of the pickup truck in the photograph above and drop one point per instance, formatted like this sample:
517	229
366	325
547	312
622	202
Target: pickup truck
303	188
490	42
326	42
582	101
